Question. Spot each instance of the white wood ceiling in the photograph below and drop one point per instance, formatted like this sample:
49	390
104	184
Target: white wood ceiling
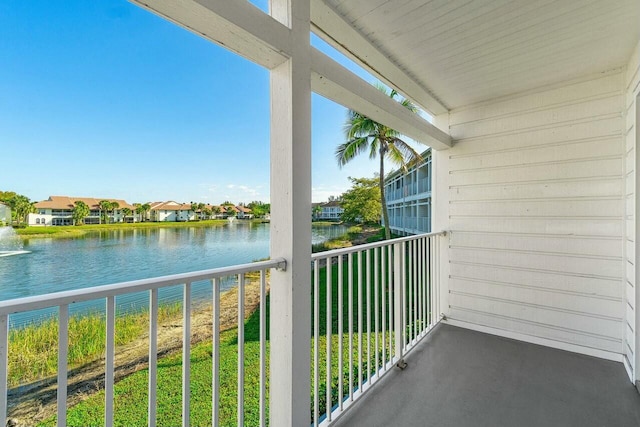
466	51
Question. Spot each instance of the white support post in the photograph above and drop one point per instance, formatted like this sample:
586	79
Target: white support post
290	384
398	308
636	213
440	220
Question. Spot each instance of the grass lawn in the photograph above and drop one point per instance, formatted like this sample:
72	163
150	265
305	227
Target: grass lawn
33	350
131	392
79	230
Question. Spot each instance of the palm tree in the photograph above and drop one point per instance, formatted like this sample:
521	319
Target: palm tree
364	134
206	211
145	209
316	211
80	212
113	207
197	207
104	206
126	212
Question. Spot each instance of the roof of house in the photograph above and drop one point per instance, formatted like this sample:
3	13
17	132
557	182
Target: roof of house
332	204
66	202
243	209
170	206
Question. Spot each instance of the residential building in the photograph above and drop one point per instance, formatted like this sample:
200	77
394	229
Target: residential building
522	307
330	211
171	212
408	196
244	212
58	210
5	214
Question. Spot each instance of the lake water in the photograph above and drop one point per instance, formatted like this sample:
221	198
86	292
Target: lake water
101	258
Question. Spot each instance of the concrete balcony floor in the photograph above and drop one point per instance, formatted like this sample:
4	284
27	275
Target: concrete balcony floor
458	377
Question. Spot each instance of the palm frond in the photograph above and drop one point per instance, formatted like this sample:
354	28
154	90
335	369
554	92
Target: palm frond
350	149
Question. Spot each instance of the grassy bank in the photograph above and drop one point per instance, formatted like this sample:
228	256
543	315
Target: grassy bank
132	392
79	230
33	350
355	235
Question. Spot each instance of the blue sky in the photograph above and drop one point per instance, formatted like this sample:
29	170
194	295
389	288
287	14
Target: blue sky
104	99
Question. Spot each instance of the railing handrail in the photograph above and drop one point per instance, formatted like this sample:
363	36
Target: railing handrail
358	248
86	294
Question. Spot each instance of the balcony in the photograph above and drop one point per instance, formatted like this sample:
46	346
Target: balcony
535	139
463	378
381	351
371	304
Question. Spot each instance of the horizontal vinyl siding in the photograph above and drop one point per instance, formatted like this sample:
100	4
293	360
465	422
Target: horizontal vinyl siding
631	83
537	214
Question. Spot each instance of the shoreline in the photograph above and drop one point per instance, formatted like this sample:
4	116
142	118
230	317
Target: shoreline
74	231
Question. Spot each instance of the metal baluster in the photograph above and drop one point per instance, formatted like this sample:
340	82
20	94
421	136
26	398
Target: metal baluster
215	352
186	354
109	361
153	355
63	352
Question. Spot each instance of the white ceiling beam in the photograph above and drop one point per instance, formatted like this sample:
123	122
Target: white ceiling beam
333	81
236	25
332	28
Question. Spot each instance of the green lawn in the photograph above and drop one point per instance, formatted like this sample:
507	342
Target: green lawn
131	393
79	230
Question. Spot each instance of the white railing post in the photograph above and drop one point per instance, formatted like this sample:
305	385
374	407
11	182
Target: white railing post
109	360
63	351
4	366
398	298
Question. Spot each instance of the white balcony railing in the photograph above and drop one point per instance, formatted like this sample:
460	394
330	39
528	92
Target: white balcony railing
392	302
62	300
371	305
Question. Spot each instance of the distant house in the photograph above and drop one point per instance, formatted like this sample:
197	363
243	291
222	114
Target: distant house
244	212
171	212
229	210
5	214
331	211
58	210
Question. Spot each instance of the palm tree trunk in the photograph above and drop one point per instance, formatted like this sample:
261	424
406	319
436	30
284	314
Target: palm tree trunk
383	200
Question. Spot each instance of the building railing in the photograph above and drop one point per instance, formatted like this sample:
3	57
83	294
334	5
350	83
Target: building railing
62	301
371	305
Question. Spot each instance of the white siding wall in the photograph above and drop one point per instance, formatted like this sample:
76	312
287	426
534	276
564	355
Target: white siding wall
536	209
632	82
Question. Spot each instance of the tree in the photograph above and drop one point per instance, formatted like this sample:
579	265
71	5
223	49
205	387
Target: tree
80	211
206	211
126	212
259	209
364	134
113	206
146	207
316	211
20	205
104	206
196	207
215	210
361	203
230	210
